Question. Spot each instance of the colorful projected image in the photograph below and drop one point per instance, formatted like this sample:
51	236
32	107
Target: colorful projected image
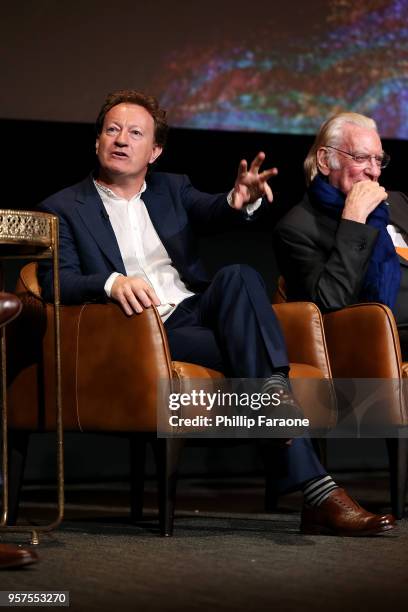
354	58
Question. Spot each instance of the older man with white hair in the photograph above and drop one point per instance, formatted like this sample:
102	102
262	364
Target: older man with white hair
344	242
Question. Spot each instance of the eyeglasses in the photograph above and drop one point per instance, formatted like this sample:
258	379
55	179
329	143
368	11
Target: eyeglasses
382	161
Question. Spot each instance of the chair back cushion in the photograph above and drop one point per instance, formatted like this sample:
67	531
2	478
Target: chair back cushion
28	280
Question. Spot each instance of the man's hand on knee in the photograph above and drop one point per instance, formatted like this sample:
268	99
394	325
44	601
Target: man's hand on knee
133	294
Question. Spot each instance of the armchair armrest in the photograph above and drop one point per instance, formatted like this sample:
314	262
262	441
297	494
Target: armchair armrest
110	365
302	327
363	342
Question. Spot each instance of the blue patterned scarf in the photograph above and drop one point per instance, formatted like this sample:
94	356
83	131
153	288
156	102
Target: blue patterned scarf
383	277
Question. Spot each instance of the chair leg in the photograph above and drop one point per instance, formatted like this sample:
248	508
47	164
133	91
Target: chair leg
270	455
320	447
398	461
17	453
167	453
137	475
271	494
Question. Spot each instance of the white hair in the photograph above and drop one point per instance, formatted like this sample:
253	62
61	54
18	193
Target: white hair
331	134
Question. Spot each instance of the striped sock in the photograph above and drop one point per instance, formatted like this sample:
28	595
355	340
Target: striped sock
278	379
317	490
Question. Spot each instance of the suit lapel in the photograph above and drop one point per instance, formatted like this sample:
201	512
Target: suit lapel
399	216
398	210
164	218
94	216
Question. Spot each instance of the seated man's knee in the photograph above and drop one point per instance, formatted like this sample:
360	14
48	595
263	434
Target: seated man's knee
240	271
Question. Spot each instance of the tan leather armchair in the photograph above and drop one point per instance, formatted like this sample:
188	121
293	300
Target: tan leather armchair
110	367
363	342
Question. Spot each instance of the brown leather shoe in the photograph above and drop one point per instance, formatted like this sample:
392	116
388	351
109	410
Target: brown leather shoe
14	556
10	307
340	515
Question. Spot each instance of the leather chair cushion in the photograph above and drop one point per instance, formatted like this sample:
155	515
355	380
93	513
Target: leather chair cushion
192	370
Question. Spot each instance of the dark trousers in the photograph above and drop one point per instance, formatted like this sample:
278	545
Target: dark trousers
231	327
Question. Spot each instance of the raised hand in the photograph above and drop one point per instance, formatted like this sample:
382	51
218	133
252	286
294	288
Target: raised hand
252	184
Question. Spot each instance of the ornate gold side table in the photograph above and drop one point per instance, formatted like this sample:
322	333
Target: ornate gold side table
31	235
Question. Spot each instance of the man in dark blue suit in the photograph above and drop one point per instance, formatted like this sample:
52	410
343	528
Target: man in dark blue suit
130	236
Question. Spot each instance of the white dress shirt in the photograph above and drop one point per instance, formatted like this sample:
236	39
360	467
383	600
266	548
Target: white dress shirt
397	236
143	253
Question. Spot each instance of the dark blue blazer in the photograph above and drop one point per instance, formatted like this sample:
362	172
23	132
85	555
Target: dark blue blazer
89	252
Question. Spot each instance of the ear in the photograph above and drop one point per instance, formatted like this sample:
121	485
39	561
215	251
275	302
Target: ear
322	161
156	152
97	145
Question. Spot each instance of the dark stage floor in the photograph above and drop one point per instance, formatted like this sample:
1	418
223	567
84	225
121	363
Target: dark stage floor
226	554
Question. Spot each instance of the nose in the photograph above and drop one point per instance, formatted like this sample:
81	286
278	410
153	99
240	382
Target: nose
372	169
121	139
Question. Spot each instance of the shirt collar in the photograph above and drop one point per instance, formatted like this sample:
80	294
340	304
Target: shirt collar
111	194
